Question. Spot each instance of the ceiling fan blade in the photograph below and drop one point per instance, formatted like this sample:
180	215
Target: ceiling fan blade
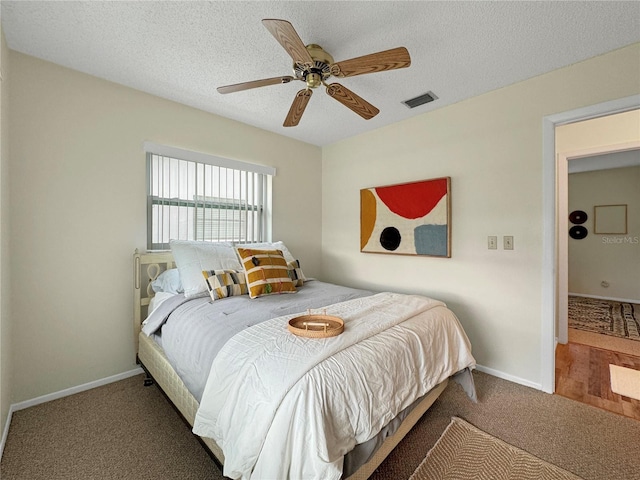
238	87
375	62
287	36
352	101
297	108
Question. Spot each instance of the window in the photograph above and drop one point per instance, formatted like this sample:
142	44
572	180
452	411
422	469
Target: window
194	196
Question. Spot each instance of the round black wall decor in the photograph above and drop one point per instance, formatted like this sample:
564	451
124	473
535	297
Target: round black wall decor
578	232
578	217
390	238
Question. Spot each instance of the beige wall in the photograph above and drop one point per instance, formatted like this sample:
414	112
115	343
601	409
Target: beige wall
6	372
596	133
77	191
491	147
611	258
78	212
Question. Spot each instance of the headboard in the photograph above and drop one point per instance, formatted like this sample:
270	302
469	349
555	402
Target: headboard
146	268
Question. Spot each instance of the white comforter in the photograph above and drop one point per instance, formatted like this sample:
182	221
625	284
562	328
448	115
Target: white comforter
282	406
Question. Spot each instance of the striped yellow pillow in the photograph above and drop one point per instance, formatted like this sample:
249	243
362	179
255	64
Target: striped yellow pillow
266	272
225	283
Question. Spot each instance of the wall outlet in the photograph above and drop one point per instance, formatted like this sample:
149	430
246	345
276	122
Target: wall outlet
508	242
492	242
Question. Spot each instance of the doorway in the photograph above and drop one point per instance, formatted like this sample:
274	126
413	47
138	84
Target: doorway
598	273
550	282
604	158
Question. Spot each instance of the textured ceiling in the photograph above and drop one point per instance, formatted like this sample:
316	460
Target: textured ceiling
183	50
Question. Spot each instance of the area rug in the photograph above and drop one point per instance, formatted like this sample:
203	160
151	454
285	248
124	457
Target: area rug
463	451
618	319
625	381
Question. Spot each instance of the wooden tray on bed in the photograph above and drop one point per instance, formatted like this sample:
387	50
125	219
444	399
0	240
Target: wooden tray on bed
316	326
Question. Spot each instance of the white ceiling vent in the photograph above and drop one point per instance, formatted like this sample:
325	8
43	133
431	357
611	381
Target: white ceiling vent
420	100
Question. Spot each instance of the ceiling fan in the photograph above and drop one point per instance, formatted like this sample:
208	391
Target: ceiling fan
314	66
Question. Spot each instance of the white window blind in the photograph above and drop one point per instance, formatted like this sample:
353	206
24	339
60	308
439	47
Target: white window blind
194	196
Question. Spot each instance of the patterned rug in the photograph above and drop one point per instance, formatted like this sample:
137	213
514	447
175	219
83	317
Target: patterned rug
464	452
618	319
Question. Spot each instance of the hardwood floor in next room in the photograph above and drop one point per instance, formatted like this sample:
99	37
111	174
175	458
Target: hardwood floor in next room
582	374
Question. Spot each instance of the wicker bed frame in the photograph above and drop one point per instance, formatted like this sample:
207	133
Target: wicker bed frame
147	266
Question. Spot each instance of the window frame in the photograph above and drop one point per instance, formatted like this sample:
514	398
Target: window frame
261	181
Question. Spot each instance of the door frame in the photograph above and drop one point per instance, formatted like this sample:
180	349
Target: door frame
563	224
550	177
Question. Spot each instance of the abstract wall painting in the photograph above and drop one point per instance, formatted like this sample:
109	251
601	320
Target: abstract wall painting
407	219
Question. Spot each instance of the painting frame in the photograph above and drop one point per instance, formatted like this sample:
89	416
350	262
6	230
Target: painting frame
411	218
610	219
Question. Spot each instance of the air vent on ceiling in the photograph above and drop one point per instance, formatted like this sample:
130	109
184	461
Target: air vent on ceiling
420	100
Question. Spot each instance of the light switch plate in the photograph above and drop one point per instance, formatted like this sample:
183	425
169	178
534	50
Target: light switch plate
508	242
492	242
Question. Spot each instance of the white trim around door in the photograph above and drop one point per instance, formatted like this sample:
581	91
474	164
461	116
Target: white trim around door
549	224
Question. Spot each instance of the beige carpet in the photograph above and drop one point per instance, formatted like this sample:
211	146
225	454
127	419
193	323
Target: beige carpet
464	451
127	431
625	381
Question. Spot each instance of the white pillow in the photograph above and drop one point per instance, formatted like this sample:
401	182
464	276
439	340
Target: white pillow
193	257
168	281
270	246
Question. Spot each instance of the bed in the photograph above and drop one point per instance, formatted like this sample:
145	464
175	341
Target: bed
207	410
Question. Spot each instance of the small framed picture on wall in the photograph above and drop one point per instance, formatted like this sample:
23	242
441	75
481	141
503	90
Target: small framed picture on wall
610	219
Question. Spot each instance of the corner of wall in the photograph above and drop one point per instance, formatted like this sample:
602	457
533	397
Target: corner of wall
6	370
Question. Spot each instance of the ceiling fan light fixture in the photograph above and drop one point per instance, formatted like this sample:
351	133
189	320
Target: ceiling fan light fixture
313	80
420	100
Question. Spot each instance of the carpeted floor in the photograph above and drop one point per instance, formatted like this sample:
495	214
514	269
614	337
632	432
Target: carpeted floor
127	431
619	319
455	456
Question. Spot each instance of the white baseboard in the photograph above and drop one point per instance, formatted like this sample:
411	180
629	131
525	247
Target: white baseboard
137	371
80	388
5	432
14	407
506	376
598	297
